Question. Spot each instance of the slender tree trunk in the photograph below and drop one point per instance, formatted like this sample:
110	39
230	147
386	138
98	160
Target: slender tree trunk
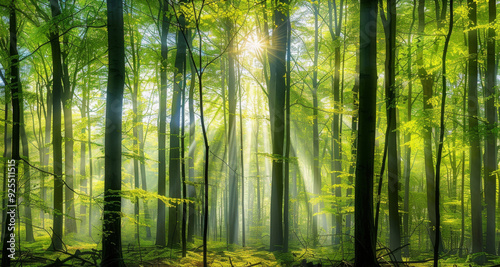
490	145
83	174
57	227
233	223
354	142
475	150
242	167
111	240
192	148
336	143
10	214
67	99
27	176
162	172
441	140
427	81
407	140
315	137
277	88
364	223
392	146
286	156
174	213
46	152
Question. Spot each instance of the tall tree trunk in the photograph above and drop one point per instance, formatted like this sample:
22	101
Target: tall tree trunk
336	143
7	153
407	140
286	208
427	81
277	88
441	140
162	172
192	148
67	99
57	227
354	142
364	246
475	150
26	175
46	151
242	166
315	137
89	141
83	148
490	144
111	239
174	213
389	24
233	222
10	214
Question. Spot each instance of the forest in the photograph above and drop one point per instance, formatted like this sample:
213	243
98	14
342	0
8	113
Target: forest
249	133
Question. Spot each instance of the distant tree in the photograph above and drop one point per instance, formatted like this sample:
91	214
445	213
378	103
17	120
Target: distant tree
232	143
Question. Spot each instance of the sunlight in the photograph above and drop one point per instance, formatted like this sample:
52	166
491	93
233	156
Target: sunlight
254	45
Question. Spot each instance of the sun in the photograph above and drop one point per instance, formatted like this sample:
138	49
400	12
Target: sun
254	45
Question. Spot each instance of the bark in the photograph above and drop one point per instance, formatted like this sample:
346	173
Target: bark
111	240
475	150
277	87
160	225
83	174
26	175
13	174
67	99
57	226
286	219
364	246
441	140
315	137
336	143
389	24
490	145
407	140
427	81
192	148
174	213
233	222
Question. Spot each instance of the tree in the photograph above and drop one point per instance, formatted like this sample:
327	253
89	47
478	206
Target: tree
391	106
57	227
475	150
364	244
336	142
16	93
441	139
111	239
490	146
277	53
174	167
427	81
233	214
162	170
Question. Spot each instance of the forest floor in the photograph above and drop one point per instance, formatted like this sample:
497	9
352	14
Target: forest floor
84	252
